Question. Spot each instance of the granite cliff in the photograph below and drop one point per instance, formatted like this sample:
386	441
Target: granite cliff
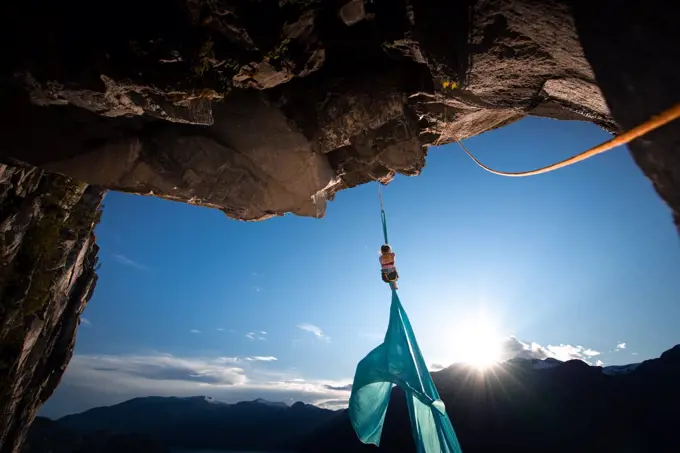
48	255
264	107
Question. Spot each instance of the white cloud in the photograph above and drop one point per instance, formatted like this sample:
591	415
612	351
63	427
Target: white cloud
620	346
599	363
195	331
315	330
334	404
93	380
258	335
568	352
514	348
219	329
128	262
436	367
84	321
144	369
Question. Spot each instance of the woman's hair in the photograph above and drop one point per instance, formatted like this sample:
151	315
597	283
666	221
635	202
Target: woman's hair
385	249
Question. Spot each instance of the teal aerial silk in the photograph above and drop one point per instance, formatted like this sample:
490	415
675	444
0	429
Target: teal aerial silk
398	361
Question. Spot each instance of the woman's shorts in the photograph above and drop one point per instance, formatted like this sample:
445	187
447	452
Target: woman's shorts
389	275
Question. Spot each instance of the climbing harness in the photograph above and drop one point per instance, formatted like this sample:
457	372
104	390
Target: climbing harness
398	361
653	123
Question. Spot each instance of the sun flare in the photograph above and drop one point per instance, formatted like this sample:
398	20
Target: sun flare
479	343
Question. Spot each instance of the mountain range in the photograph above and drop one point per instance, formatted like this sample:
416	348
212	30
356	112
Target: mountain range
203	423
522	405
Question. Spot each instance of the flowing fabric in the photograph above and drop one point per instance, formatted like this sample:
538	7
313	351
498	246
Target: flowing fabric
398	361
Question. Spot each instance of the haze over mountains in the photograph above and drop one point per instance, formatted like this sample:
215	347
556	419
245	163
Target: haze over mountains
523	405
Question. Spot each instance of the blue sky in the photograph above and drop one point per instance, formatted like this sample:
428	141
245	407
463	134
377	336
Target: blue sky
573	262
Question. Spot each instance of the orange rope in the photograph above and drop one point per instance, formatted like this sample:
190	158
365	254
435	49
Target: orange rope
655	122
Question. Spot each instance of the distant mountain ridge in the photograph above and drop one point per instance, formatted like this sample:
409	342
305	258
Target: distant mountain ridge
540	364
203	423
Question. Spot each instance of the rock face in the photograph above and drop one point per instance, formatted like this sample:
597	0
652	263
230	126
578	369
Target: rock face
47	274
260	108
632	53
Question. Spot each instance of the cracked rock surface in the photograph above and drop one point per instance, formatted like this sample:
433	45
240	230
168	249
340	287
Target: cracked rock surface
268	107
47	274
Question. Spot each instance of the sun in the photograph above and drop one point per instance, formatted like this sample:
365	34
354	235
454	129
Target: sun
484	352
478	343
